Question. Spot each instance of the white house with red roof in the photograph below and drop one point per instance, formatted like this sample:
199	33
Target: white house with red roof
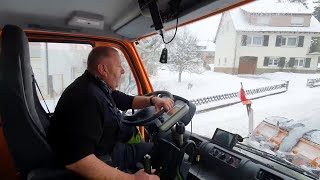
268	36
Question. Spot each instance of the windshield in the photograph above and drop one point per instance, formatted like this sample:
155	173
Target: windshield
268	50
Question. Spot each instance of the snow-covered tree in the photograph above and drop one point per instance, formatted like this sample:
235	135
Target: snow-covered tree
316	12
315	45
304	2
298	1
149	51
183	54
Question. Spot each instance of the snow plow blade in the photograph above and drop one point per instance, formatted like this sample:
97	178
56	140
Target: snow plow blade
303	153
271	133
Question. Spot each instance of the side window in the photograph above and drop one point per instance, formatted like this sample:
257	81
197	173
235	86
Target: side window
128	83
55	66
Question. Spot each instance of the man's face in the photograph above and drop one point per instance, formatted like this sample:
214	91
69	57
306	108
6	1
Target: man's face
113	70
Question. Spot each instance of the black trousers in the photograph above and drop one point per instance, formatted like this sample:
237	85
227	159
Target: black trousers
126	156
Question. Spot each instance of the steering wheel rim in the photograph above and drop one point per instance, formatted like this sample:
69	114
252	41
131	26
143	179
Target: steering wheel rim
157	93
128	120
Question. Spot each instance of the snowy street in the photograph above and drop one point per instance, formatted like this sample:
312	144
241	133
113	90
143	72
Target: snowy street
300	103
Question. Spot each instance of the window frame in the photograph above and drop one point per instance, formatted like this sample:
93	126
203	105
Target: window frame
286	38
296	21
263	20
297	61
251	37
273	59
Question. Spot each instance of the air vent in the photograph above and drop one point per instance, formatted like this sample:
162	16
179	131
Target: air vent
265	175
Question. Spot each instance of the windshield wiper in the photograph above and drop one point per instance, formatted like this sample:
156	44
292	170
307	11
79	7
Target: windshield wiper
276	159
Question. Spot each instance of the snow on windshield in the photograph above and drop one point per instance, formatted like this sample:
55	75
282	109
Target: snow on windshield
272	47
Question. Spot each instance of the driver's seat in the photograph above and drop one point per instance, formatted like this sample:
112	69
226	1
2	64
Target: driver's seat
24	120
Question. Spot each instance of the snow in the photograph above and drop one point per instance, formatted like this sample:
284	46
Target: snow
296	110
299	104
241	24
293	138
276	7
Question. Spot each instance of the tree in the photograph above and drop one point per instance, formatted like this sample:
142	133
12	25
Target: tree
298	1
315	45
304	2
183	53
281	63
150	50
316	12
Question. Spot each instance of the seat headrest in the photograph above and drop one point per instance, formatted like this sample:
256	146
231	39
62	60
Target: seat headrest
14	42
14	38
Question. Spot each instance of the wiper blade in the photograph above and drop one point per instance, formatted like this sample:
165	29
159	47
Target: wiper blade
277	159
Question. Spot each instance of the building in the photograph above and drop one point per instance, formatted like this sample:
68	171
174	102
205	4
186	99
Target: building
53	69
207	52
268	36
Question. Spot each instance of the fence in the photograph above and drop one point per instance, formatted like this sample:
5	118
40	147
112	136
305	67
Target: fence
313	82
216	98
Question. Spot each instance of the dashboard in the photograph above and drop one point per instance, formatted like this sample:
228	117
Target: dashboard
216	162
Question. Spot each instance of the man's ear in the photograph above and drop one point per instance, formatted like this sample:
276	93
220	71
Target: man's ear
102	69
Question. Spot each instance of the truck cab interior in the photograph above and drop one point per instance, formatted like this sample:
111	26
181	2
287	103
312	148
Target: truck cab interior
24	150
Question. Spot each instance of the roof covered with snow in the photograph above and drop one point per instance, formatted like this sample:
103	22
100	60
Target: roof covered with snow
276	7
209	45
242	24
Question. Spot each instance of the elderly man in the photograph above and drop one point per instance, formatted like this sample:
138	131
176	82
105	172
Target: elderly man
86	124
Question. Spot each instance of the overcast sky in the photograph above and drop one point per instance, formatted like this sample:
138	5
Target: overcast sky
206	29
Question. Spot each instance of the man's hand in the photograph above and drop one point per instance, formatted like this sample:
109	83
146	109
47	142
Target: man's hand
141	175
159	103
140	102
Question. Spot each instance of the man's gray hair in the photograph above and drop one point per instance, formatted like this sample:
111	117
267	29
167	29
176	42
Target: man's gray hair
96	54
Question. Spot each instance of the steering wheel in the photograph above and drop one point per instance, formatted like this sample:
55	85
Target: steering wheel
147	115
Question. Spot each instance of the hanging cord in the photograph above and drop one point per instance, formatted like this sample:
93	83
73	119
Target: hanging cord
177	22
191	128
35	81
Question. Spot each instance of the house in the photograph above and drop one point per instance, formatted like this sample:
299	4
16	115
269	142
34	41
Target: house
207	51
268	36
53	70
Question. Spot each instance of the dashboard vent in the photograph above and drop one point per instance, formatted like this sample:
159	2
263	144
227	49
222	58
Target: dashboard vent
265	175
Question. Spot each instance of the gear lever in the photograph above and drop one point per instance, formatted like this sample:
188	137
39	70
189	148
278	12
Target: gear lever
180	129
147	163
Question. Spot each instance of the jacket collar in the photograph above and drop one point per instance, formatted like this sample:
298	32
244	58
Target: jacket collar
98	80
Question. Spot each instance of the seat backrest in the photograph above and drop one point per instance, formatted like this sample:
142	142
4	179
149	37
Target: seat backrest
24	120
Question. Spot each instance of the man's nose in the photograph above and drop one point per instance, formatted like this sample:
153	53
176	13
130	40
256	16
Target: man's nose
122	71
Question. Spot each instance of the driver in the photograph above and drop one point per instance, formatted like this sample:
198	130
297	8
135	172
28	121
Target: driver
86	132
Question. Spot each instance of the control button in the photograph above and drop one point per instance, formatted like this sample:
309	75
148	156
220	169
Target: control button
215	152
222	156
230	160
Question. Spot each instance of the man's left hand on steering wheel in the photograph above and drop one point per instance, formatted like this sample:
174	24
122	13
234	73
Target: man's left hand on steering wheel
159	103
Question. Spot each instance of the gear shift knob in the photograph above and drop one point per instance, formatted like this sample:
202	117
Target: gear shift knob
180	129
147	163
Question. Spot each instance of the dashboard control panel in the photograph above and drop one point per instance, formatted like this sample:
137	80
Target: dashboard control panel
225	157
